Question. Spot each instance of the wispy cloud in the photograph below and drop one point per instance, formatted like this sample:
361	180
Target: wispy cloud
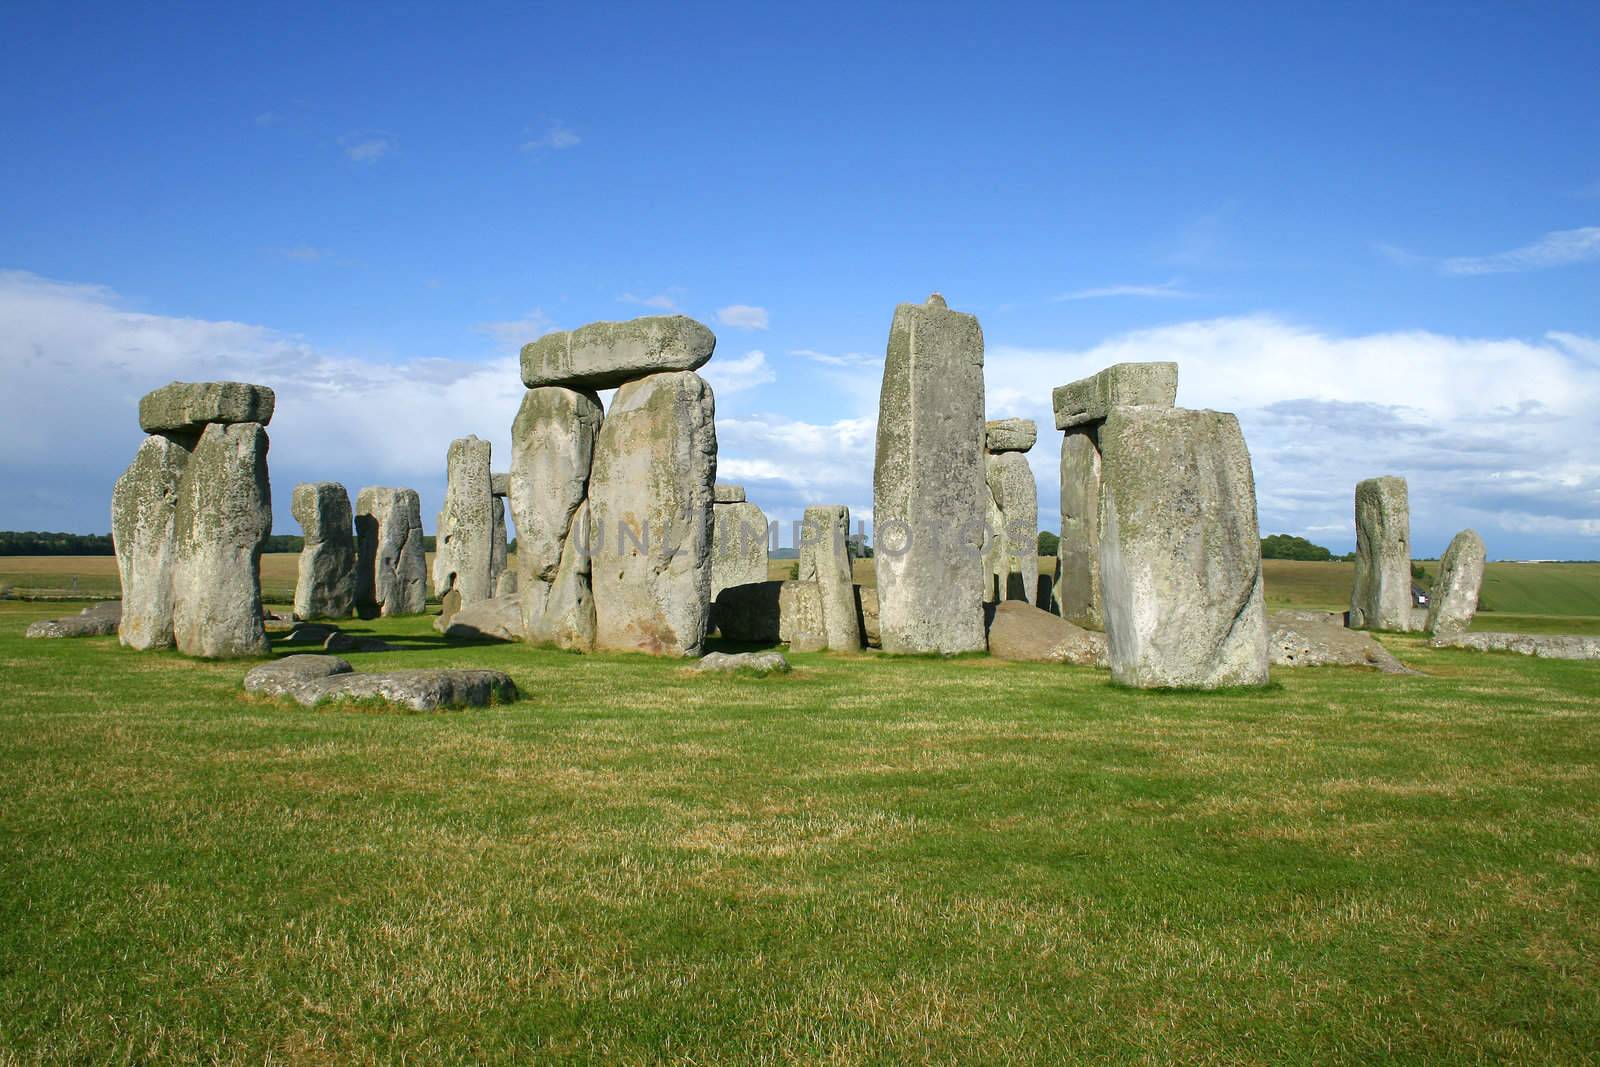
743	317
1172	289
848	359
554	138
518	332
1558	248
660	301
365	149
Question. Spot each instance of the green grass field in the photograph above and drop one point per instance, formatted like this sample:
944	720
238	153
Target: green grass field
868	861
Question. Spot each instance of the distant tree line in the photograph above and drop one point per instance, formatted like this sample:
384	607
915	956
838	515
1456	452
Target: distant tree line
39	543
1288	546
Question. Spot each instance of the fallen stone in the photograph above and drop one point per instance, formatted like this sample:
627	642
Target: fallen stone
1544	646
1076	590
464	542
1013	557
1180	554
738	545
188	407
282	677
1009	435
655	461
343	642
144	512
604	355
307	633
99	620
727	494
224	515
499	619
326	585
827	528
1092	399
1020	631
419	690
928	482
552	455
1380	598
1454	600
391	566
1329	618
1317	639
755	662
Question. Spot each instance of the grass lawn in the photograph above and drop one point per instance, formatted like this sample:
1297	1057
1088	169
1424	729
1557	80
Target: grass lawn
870	860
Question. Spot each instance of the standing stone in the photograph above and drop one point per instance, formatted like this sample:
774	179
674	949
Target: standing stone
1077	585
650	494
604	355
1380	599
144	508
497	542
326	588
464	545
223	519
1454	600
391	565
1180	555
928	482
738	540
552	453
1013	558
826	533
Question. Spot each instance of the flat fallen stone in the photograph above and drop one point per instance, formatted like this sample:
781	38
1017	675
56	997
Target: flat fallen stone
1009	435
99	620
1544	646
603	355
343	642
306	633
1119	385
282	677
187	407
1020	631
499	619
1320	639
419	690
757	662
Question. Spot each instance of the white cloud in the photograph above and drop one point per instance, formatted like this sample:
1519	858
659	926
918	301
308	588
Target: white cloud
366	149
1167	290
847	359
1558	248
659	301
518	332
729	376
743	317
555	138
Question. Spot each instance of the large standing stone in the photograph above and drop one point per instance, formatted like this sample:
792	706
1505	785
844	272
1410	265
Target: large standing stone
650	508
144	510
928	482
1454	600
826	533
1014	553
1180	555
1091	400
224	516
738	542
604	355
552	453
1380	598
327	583
391	565
1077	582
464	545
188	407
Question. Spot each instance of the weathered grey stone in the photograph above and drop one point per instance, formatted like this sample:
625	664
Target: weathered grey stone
827	526
727	494
769	662
326	588
99	620
282	677
500	619
1077	580
1544	646
1020	631
506	584
738	545
1013	568
928	482
306	633
751	612
1454	600
391	566
1090	400
552	454
650	512
497	544
603	355
223	518
1299	639
1009	435
144	512
1180	555
1380	598
464	543
188	407
419	690
801	623
339	641
500	483
867	600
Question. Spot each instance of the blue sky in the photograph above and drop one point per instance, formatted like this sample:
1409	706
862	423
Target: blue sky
1374	233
